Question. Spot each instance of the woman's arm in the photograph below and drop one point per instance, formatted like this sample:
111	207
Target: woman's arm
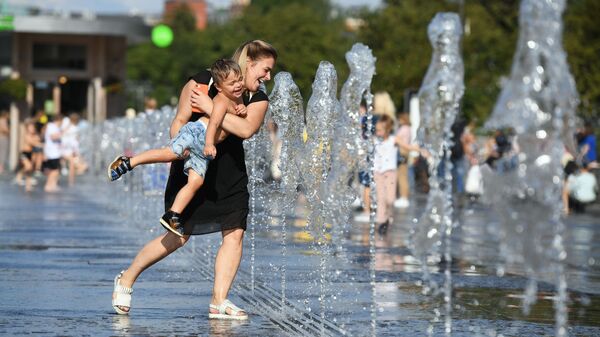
184	108
405	146
246	127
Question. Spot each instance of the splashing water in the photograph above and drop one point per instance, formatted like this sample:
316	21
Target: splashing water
322	109
258	156
538	102
349	145
439	99
286	109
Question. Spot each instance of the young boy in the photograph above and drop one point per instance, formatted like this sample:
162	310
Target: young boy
195	137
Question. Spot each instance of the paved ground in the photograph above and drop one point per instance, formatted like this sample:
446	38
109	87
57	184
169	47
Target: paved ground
59	254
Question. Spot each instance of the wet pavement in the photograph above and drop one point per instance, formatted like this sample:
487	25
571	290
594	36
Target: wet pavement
60	252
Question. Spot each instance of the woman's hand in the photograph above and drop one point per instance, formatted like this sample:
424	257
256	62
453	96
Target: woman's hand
210	151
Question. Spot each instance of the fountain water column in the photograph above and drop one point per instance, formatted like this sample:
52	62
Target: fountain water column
370	146
439	98
257	154
286	109
348	144
538	102
322	110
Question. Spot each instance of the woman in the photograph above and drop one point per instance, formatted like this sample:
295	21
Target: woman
222	202
4	139
403	137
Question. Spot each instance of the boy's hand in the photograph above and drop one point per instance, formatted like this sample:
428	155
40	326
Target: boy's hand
210	151
241	110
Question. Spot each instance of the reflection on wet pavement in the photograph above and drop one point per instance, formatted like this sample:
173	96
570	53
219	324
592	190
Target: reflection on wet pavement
58	255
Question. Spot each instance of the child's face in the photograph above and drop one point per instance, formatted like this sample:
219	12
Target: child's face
233	85
381	130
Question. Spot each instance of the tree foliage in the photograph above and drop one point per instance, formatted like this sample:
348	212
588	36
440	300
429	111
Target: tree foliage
299	30
307	32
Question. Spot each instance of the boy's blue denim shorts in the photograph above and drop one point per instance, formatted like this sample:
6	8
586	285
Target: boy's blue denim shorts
191	136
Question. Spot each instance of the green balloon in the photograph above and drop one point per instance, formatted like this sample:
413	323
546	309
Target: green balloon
162	36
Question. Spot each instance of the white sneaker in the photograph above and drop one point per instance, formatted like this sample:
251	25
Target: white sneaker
362	217
357	203
401	203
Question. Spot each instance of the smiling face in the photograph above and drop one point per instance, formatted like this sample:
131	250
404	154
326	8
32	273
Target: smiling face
258	72
232	86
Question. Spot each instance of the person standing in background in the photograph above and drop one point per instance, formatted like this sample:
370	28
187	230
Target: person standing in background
384	171
53	152
4	139
403	141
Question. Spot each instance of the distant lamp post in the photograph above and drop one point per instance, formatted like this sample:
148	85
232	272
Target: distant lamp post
162	36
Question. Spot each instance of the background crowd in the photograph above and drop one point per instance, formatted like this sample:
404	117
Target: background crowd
48	146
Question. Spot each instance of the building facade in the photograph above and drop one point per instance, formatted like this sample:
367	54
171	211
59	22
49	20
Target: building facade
70	62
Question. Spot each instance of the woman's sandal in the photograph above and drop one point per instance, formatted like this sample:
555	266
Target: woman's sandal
222	308
122	297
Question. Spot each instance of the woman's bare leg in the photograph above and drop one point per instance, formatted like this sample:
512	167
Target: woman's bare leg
162	155
154	251
226	265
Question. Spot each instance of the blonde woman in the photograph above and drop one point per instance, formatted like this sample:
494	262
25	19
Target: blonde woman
222	202
403	140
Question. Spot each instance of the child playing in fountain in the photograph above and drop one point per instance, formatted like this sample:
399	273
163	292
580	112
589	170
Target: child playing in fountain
384	168
195	137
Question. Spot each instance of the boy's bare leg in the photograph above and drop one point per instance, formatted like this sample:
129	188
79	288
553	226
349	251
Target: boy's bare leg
187	192
162	155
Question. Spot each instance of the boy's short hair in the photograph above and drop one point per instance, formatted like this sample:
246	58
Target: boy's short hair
222	68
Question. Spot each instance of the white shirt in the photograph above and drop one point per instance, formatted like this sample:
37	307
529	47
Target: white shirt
385	155
582	186
52	148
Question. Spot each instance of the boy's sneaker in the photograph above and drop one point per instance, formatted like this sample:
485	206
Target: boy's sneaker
170	221
118	167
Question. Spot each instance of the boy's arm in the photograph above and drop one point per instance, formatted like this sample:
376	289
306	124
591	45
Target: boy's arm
219	110
184	108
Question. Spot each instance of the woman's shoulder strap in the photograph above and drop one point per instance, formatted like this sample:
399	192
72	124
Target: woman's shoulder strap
258	96
202	77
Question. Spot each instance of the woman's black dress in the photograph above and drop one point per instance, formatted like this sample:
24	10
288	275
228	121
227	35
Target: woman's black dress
222	201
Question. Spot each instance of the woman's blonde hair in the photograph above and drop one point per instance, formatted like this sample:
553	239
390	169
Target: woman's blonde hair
254	50
383	105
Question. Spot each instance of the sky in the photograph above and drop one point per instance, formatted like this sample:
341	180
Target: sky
136	6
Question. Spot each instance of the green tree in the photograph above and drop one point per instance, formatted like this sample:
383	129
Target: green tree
582	44
397	33
303	33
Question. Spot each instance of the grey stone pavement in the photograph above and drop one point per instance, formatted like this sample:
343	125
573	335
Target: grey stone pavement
60	252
